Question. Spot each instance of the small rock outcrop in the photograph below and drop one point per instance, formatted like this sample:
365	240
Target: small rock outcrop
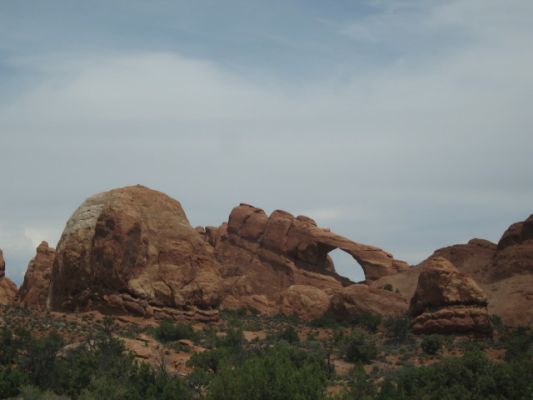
307	302
353	302
132	250
8	290
36	284
448	302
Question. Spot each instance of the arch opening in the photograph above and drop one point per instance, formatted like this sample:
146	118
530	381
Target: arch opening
346	266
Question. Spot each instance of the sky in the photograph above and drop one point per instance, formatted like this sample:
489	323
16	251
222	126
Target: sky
402	124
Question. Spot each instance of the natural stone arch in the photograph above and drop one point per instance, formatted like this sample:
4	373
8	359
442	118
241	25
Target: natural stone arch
346	266
308	245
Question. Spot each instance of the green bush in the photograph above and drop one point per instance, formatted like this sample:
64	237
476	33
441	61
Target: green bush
209	360
100	369
361	387
471	377
280	373
369	321
431	344
388	287
326	320
170	331
290	335
359	347
397	329
518	343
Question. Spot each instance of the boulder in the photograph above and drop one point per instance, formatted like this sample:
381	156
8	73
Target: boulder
305	302
8	290
36	285
353	302
132	250
447	301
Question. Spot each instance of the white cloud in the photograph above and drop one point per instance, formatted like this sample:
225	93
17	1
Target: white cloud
437	133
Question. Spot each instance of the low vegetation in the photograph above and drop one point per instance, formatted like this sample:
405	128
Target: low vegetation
248	356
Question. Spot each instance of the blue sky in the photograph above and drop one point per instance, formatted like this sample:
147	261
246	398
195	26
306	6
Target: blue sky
403	124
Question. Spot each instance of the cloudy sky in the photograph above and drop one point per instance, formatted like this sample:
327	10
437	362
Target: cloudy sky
403	124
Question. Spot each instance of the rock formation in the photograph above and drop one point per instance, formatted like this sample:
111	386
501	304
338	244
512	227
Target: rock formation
503	271
132	250
307	302
514	255
262	256
448	301
354	301
36	285
8	290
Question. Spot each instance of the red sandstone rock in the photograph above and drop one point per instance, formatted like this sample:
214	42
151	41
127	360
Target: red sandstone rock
34	289
306	302
8	290
447	301
132	250
264	256
352	302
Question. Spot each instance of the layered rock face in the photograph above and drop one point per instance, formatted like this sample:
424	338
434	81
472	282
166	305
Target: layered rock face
36	285
354	301
262	256
8	290
133	250
447	301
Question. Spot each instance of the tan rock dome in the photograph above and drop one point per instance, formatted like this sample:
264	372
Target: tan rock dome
133	250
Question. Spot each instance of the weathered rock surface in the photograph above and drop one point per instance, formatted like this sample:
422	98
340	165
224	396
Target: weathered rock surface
8	290
354	301
448	301
36	285
264	255
515	252
306	302
132	250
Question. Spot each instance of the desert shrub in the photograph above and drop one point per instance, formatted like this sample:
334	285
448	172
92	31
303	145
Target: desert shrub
388	287
99	369
234	339
39	360
279	373
170	331
34	393
361	386
290	335
431	344
397	329
210	360
359	347
472	376
518	343
326	320
369	321
11	380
